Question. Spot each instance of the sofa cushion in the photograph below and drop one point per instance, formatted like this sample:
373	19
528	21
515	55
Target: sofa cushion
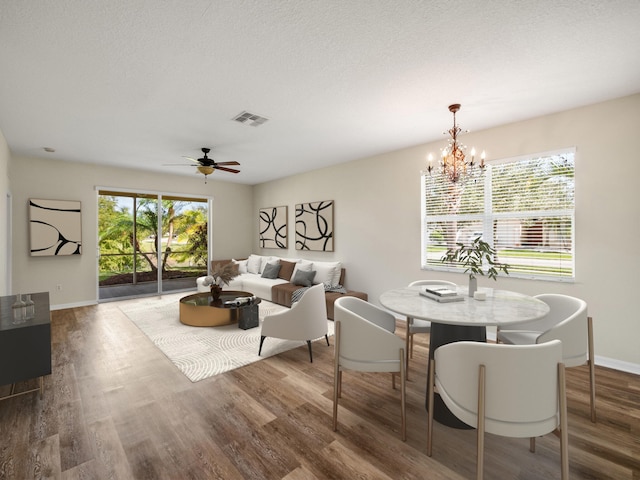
255	284
286	270
303	278
271	270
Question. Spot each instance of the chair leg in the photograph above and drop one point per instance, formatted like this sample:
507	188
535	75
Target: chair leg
480	422
430	395
532	444
337	376
592	370
261	342
326	337
310	353
564	434
407	342
403	400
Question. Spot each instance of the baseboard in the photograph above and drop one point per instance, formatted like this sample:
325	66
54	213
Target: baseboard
617	364
599	360
62	306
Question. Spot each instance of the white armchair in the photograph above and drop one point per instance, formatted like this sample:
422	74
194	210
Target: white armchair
306	320
416	325
566	321
481	383
365	342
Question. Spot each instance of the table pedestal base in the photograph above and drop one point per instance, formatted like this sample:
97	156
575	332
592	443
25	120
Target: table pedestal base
441	334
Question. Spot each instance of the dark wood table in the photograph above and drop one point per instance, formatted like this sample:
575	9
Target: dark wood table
25	342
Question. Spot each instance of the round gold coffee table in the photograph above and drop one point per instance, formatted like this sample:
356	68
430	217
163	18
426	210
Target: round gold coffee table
199	310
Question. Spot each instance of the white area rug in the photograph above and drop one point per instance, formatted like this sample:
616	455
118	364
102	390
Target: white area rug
201	352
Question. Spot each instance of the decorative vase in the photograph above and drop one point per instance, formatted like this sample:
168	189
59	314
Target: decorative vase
473	285
30	307
19	310
216	290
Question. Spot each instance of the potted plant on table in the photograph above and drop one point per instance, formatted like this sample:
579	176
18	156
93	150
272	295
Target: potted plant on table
220	275
475	258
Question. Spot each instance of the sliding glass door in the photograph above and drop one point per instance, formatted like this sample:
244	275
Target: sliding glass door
150	243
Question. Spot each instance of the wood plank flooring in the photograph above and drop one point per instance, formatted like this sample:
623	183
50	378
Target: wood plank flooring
116	408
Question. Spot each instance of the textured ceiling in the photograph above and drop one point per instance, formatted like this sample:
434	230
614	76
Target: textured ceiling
144	83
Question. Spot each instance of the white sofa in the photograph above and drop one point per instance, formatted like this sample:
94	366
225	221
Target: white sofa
253	278
251	272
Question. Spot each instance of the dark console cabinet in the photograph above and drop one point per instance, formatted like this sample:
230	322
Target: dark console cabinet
25	346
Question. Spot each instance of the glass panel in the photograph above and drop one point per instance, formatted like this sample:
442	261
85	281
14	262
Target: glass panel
184	242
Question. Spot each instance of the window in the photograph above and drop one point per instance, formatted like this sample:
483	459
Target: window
524	208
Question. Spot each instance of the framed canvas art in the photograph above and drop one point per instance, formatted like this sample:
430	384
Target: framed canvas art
314	226
55	227
273	227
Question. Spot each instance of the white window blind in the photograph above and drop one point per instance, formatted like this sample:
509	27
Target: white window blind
524	208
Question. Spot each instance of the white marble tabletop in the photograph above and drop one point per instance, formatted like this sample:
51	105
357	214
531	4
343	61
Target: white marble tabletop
502	307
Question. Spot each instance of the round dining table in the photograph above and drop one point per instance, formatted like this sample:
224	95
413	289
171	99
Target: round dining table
464	320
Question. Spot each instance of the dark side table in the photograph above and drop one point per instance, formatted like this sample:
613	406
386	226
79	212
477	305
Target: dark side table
25	343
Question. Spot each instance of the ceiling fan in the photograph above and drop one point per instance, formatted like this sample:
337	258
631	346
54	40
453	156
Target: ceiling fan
206	165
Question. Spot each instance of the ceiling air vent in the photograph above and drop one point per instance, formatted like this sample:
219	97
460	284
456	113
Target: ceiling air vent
250	119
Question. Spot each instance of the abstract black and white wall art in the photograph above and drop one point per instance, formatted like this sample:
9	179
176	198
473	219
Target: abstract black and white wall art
55	227
273	227
314	226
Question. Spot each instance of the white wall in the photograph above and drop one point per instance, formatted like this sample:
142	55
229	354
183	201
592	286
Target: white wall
4	217
377	215
233	220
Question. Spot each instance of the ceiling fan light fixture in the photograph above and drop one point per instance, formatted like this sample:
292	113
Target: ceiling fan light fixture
205	170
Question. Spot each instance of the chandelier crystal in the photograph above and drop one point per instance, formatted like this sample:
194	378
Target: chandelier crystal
453	162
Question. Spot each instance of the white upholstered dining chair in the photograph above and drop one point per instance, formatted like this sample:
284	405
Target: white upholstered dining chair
365	342
482	384
416	325
306	320
566	321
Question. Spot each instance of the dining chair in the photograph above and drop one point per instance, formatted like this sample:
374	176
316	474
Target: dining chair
482	384
567	321
365	342
306	320
415	325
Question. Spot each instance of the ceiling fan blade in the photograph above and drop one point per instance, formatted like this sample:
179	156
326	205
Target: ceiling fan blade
225	169
192	159
178	165
227	163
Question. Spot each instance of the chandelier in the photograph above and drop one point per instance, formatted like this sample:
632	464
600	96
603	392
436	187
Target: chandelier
453	162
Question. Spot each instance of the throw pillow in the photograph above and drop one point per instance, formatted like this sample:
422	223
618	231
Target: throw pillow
235	268
304	279
242	265
303	265
266	260
326	272
286	270
253	263
271	270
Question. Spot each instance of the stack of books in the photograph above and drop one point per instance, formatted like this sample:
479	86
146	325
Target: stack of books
441	294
